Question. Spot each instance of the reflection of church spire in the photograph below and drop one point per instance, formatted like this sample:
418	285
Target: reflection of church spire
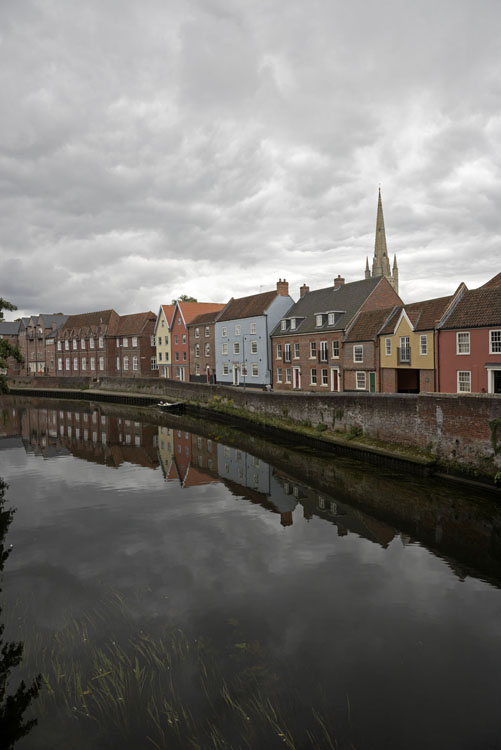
381	262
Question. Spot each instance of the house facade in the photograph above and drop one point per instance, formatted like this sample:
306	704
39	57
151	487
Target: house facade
201	340
308	340
360	351
162	339
36	339
135	351
242	337
469	342
9	330
85	345
407	346
184	313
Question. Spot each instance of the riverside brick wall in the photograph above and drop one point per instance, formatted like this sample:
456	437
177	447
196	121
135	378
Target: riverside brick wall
455	427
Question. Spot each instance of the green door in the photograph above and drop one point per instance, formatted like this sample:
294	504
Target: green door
372	382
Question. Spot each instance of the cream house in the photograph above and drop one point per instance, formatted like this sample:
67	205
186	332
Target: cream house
162	337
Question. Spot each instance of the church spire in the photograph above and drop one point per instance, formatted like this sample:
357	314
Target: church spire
381	262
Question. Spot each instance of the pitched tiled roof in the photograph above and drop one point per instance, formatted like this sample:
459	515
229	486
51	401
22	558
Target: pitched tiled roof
91	320
191	309
134	324
424	316
495	281
476	308
50	321
347	298
168	312
248	307
368	324
205	318
9	328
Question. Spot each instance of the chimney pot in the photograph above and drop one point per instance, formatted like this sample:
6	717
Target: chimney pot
303	290
283	287
339	281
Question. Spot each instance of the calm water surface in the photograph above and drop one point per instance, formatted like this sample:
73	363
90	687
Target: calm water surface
182	585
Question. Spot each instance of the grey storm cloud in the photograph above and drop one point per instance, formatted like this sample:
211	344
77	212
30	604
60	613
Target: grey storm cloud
209	148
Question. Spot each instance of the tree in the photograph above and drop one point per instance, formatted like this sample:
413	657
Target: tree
6	348
184	298
12	706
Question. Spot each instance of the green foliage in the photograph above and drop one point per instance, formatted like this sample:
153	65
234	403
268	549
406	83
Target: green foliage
321	427
6	349
184	298
13	705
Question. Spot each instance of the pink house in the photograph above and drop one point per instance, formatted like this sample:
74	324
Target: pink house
469	342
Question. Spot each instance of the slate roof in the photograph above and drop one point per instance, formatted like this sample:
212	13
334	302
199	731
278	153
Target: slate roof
368	324
191	309
476	308
204	318
424	316
9	328
134	324
347	298
248	307
49	320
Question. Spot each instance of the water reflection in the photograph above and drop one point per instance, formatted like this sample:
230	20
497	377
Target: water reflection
311	592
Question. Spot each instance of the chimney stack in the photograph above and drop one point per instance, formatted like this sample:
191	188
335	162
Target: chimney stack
283	288
339	281
303	290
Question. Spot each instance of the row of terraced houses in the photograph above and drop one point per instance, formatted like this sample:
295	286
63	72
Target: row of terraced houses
357	336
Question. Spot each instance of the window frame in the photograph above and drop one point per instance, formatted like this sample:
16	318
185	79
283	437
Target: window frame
360	375
458	381
358	353
463	344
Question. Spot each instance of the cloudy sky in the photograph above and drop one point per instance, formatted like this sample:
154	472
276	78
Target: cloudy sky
209	147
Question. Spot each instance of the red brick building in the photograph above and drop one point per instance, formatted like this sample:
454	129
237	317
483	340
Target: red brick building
36	342
85	345
469	342
308	341
201	340
360	351
135	352
184	313
9	331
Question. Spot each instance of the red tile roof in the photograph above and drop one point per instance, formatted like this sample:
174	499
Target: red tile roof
495	281
168	312
477	308
191	309
134	324
368	324
93	320
424	316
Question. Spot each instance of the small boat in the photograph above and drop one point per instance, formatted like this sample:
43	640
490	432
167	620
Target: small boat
176	408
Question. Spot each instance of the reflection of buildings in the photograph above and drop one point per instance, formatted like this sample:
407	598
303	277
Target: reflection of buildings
86	433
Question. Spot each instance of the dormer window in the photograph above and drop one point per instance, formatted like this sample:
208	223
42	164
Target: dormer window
283	325
319	320
293	324
331	319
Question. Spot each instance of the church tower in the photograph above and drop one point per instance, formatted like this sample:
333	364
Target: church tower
381	262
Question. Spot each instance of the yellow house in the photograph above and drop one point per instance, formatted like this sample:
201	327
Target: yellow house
165	449
163	339
407	346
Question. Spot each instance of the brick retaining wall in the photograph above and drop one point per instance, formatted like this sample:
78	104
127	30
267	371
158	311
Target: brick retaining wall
455	427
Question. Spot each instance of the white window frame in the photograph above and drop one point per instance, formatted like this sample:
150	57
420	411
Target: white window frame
118	363
236	347
134	341
254	369
101	342
93	363
296	350
423	344
463	381
293	324
101	364
283	325
135	363
253	347
59	347
82	343
279	374
319	320
279	351
288	374
67	363
387	346
197	333
226	369
313	376
92	343
237	330
207	349
331	319
252	328
358	353
84	363
313	349
495	346
207	332
224	331
153	363
197	350
224	348
59	363
324	375
463	343
361	380
75	363
335	348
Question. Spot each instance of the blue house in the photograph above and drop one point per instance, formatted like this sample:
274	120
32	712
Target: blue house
242	337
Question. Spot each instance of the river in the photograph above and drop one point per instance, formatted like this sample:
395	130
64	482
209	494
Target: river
182	584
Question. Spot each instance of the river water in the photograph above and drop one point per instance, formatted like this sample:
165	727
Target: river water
181	584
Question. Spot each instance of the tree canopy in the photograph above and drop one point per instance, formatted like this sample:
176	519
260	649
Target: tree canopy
184	298
6	348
